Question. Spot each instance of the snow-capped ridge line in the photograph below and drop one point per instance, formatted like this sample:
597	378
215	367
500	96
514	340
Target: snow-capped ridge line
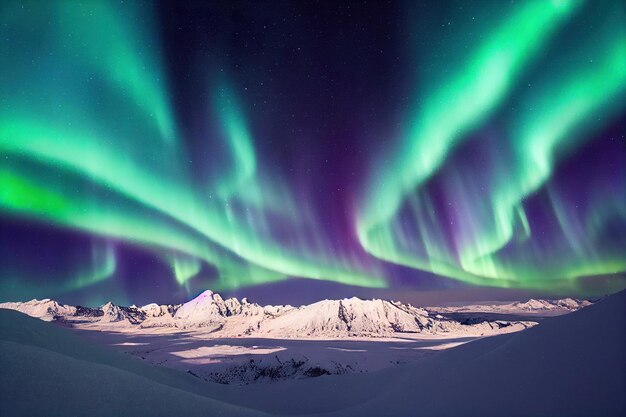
231	317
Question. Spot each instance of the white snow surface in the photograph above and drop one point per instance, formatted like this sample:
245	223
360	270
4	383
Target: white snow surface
48	370
571	365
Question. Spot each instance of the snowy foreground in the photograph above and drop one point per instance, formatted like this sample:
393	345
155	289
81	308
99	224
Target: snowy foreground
570	365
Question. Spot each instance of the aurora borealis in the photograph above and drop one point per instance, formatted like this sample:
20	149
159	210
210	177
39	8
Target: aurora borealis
167	147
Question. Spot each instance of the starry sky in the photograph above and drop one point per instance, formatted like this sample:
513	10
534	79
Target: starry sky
311	149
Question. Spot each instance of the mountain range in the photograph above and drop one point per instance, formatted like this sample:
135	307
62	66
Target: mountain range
232	317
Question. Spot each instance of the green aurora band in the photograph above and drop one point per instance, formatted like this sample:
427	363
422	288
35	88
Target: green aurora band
560	106
131	159
94	146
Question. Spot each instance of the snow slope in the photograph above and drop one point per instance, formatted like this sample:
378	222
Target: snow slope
47	370
572	365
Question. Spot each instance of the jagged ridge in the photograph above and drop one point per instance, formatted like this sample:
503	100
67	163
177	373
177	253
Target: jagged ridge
232	317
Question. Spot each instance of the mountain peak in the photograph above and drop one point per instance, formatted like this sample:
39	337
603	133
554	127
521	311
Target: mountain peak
205	294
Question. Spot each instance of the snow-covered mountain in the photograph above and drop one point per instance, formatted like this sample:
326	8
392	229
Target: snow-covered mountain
50	310
45	309
356	317
234	318
564	305
209	307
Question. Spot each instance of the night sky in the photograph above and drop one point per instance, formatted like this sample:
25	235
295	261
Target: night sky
309	149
